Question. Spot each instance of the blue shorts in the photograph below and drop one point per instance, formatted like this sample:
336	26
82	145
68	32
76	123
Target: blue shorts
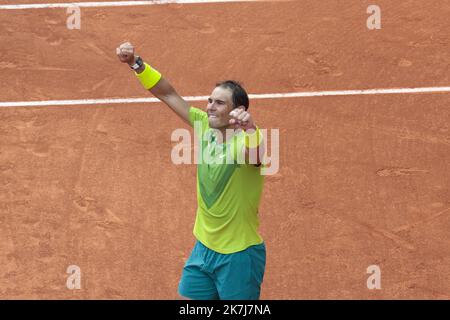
209	275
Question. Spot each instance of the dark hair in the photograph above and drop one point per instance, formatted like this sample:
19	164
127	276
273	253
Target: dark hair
238	94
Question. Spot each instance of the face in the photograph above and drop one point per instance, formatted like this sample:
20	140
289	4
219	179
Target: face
219	106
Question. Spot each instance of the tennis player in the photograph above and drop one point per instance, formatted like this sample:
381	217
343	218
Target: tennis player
229	256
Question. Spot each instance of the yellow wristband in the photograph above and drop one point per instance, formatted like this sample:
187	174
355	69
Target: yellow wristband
149	77
253	140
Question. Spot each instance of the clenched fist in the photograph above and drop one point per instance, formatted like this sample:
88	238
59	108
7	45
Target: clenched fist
241	119
125	52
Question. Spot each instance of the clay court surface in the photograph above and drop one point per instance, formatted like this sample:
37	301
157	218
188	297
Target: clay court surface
363	180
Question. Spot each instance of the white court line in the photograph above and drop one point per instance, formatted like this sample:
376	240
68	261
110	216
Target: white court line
251	96
111	4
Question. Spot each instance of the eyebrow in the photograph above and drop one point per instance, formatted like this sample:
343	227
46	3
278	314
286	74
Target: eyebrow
217	100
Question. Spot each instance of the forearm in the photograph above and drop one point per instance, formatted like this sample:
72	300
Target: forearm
164	91
254	146
255	155
152	80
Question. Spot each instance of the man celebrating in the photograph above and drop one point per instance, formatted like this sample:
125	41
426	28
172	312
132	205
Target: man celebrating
228	259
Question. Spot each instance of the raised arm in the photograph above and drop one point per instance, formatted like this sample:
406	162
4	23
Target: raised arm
162	90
